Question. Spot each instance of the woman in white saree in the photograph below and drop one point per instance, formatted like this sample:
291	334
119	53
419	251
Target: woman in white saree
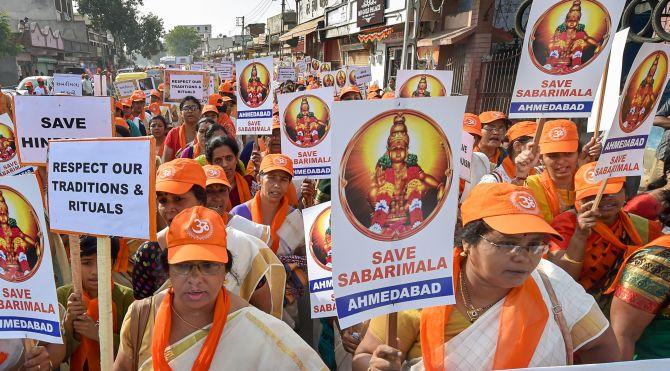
513	309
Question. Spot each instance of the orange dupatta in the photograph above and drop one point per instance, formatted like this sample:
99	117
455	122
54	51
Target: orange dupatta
523	318
88	351
277	221
163	325
242	188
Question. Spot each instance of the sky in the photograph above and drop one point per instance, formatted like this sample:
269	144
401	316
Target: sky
219	13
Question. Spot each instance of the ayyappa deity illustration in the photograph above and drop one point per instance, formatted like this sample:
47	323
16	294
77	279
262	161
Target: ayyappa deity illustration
328	246
256	91
307	125
421	88
7	150
341	78
14	245
643	100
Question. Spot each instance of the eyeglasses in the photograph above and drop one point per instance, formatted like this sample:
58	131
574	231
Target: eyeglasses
189	108
207	269
540	249
499	129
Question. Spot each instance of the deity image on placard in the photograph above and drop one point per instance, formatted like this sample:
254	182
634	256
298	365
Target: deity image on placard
395	175
315	65
321	242
255	85
352	77
7	144
325	66
307	121
341	78
569	35
328	80
424	85
644	88
20	237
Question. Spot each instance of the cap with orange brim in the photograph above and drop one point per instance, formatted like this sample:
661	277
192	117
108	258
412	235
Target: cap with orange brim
559	136
155	93
209	108
488	117
216	100
216	175
521	129
276	161
179	176
349	89
138	95
388	95
586	186
197	234
155	109
471	124
161	87
126	102
507	208
226	87
118	104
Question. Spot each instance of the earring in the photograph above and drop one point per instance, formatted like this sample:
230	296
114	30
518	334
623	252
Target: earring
464	254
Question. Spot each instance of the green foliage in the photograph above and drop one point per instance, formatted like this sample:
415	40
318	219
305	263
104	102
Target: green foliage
8	46
181	40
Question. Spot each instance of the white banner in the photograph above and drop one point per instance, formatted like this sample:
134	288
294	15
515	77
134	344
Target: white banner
9	158
306	125
100	85
125	89
563	57
363	75
396	194
109	183
302	67
428	83
180	84
319	264
225	70
623	150
39	119
254	96
467	145
285	74
29	307
67	84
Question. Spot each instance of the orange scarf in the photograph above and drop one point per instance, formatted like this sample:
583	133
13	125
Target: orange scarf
163	326
242	186
182	140
523	318
88	351
121	262
510	167
604	247
550	193
277	221
663	241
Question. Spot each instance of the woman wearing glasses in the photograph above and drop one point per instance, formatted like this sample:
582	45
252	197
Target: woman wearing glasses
180	136
197	324
525	312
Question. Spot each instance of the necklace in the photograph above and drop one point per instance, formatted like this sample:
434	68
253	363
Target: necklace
185	321
471	311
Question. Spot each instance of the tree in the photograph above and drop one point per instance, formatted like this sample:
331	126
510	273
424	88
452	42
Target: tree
8	46
181	40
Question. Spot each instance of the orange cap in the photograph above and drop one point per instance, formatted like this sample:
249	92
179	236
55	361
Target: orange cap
559	136
209	108
216	175
521	129
488	117
126	102
161	87
216	100
118	104
121	122
29	83
155	93
505	207
276	161
155	109
197	233
226	87
585	184
373	95
471	124
179	175
349	89
138	95
388	95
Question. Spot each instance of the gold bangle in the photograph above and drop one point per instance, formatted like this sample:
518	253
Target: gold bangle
565	256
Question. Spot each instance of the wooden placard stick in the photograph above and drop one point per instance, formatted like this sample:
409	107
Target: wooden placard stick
601	99
538	133
28	345
75	260
599	196
392	330
105	329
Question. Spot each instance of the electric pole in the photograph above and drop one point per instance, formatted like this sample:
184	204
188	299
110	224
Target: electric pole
281	46
240	23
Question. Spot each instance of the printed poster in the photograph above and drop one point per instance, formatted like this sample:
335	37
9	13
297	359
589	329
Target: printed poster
9	158
563	57
426	83
341	80
67	84
180	84
328	80
225	70
254	92
467	147
326	66
125	89
286	73
396	188
306	126
318	239
29	307
623	150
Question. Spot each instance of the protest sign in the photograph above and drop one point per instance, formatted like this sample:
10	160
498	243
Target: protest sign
396	190
180	84
623	150
285	74
467	145
9	159
426	83
326	66
319	264
254	94
108	182
225	70
563	57
305	135
29	307
328	80
100	84
68	84
315	65
125	89
363	75
301	66
156	74
41	118
341	79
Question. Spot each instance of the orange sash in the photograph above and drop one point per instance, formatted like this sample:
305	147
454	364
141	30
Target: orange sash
242	188
550	193
182	136
121	262
523	318
163	326
663	241
277	221
510	167
88	351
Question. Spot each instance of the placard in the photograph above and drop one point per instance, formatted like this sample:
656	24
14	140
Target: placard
467	145
9	158
68	84
125	89
109	183
254	96
563	57
180	84
301	66
318	240
286	74
341	79
427	83
29	307
225	70
326	66
623	150
328	81
40	118
306	126
396	192
363	75
100	85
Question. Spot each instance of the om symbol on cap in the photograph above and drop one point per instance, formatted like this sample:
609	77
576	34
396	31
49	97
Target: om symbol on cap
524	201
166	173
590	176
213	173
199	229
279	161
557	133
